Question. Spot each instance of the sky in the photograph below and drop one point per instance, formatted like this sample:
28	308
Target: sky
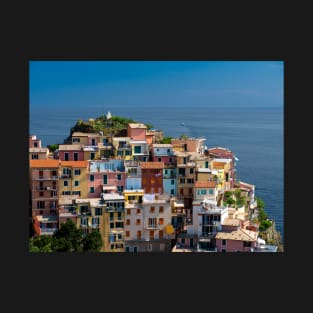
163	83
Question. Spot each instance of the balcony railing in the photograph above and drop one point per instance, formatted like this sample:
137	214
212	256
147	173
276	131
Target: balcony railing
47	231
47	178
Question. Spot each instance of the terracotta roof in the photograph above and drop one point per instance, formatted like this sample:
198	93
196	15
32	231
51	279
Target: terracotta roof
205	184
74	163
152	165
240	234
221	152
44	163
137	125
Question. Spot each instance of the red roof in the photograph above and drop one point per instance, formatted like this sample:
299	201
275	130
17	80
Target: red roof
44	163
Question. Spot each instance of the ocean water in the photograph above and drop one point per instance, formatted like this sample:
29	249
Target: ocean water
255	135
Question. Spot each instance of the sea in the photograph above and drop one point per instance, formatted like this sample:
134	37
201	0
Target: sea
254	134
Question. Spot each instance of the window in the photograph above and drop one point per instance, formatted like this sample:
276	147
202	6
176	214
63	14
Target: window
92	190
138	221
138	211
111	225
168	151
182	181
54	174
159	159
189	180
128	222
247	243
161	209
165	172
190	191
172	182
127	234
185	161
95	221
84	221
105	179
92	155
35	157
66	156
126	248
35	144
119	215
137	149
76	172
170	160
210	191
75	156
128	212
152	222
152	209
206	164
76	183
151	235
120	188
93	142
40	174
152	181
191	170
119	176
111	216
76	139
40	204
135	249
172	191
66	193
76	192
119	224
41	194
98	211
223	250
119	236
223	242
65	183
161	221
161	234
92	178
138	234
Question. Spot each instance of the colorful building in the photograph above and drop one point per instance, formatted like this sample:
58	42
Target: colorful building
36	152
148	225
152	176
133	175
72	152
137	131
105	176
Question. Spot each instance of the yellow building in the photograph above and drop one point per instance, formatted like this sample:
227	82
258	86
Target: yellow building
114	217
73	179
122	147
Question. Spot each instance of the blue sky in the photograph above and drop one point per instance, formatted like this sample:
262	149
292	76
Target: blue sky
98	83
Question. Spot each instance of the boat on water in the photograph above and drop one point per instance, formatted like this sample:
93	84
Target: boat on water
182	124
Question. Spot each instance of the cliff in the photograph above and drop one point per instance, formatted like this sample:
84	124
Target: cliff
272	236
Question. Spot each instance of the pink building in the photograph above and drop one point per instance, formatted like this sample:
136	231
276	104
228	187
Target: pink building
137	131
105	177
71	153
36	152
239	240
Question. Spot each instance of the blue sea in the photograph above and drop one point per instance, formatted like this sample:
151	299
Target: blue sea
255	135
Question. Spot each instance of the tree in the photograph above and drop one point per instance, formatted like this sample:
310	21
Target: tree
42	243
69	237
167	139
260	203
92	241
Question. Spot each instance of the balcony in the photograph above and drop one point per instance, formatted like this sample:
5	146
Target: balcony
47	231
66	176
47	178
152	227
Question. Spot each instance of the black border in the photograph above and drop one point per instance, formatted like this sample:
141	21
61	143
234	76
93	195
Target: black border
233	37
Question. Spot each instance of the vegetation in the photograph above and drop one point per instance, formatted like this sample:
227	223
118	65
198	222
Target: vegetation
167	139
68	238
265	223
235	197
53	147
183	137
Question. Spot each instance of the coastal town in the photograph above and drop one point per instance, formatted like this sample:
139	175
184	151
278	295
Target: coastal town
143	192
